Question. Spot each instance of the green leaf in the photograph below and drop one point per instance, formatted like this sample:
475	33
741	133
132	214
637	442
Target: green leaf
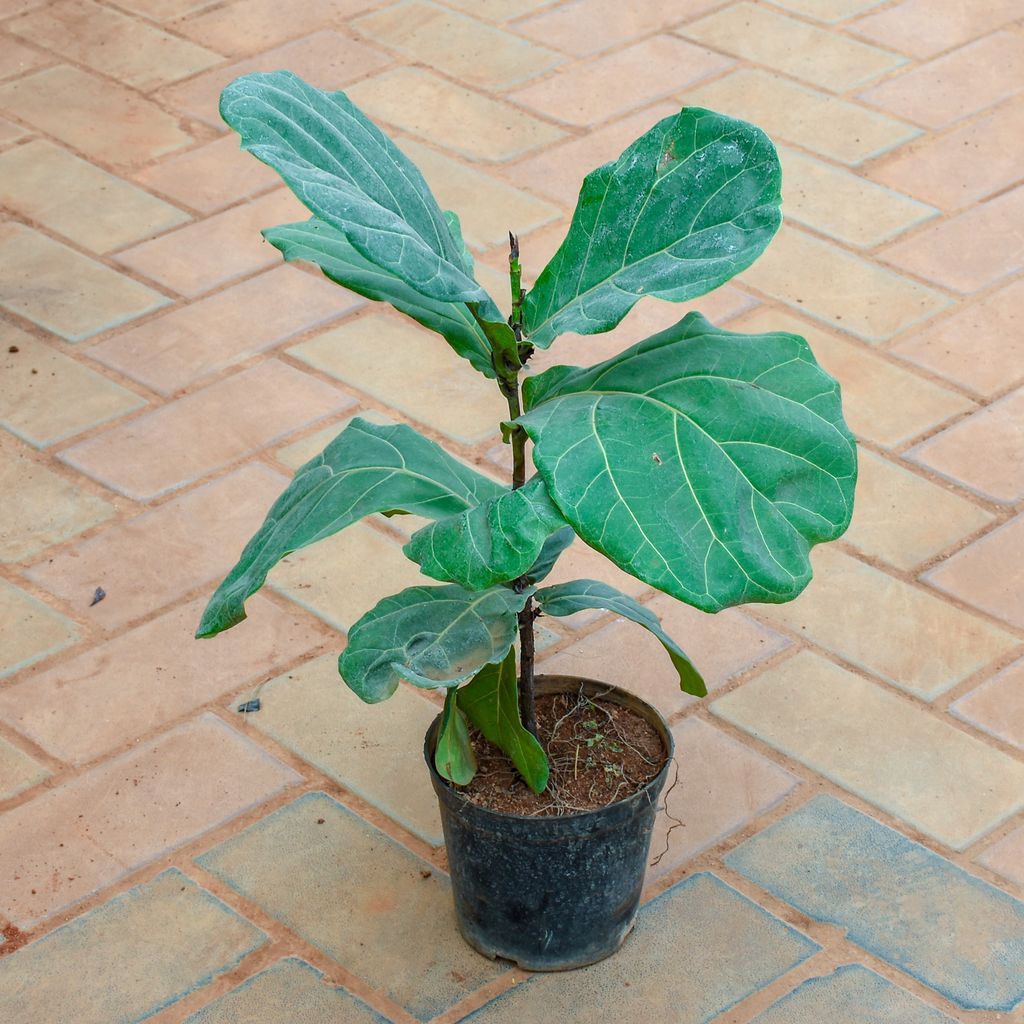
569	598
549	553
453	755
317	242
367	468
491	703
348	173
703	462
497	541
434	637
690	204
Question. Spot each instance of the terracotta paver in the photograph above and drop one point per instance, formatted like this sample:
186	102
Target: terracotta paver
161	374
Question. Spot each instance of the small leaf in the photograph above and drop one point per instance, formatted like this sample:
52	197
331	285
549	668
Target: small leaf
690	204
704	462
495	542
433	637
491	703
453	756
367	468
569	598
549	554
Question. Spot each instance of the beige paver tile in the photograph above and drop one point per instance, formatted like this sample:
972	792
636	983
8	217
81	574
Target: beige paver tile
17	59
1006	857
210	177
828	10
825	282
153	559
163	10
328	59
902	634
498	10
193	341
953	86
250	26
468	50
964	165
205	430
823	124
891	753
558	173
128	811
40	507
997	706
868	382
61	398
200	256
585	27
312	712
18	771
343	577
583	562
487	207
41	631
10	132
825	59
63	291
989	574
464	121
904	519
721	646
843	205
973	250
112	43
298	453
984	452
980	347
411	369
149	677
923	28
723	785
103	120
78	200
589	93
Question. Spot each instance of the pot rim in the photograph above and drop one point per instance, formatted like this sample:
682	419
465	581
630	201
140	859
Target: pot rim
560	684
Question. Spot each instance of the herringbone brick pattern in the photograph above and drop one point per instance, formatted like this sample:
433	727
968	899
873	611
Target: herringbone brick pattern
852	792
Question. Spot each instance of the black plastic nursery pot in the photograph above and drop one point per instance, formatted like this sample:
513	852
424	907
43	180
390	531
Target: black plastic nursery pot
550	893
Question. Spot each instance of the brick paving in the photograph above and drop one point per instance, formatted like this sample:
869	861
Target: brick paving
852	791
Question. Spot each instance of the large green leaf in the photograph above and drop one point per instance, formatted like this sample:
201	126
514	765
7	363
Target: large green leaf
491	703
497	541
569	598
347	172
367	468
317	242
453	755
549	553
704	462
433	637
690	204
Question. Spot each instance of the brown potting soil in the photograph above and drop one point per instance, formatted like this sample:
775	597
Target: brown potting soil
599	752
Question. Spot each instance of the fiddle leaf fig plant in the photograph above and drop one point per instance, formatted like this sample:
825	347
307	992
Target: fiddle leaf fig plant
704	462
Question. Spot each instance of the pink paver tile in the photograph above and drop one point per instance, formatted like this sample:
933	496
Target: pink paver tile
988	574
153	675
17	59
950	87
997	706
1006	857
18	771
971	162
198	257
206	430
984	452
72	840
923	28
209	177
971	251
980	347
147	562
589	93
329	60
191	342
723	785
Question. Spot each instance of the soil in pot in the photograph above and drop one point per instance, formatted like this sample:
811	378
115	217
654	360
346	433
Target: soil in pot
599	751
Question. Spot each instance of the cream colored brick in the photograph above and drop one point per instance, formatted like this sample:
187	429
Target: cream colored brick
32	629
828	10
18	771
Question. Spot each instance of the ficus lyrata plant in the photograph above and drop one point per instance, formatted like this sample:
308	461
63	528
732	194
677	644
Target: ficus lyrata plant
702	461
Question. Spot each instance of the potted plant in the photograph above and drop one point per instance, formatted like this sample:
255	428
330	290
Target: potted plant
704	462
